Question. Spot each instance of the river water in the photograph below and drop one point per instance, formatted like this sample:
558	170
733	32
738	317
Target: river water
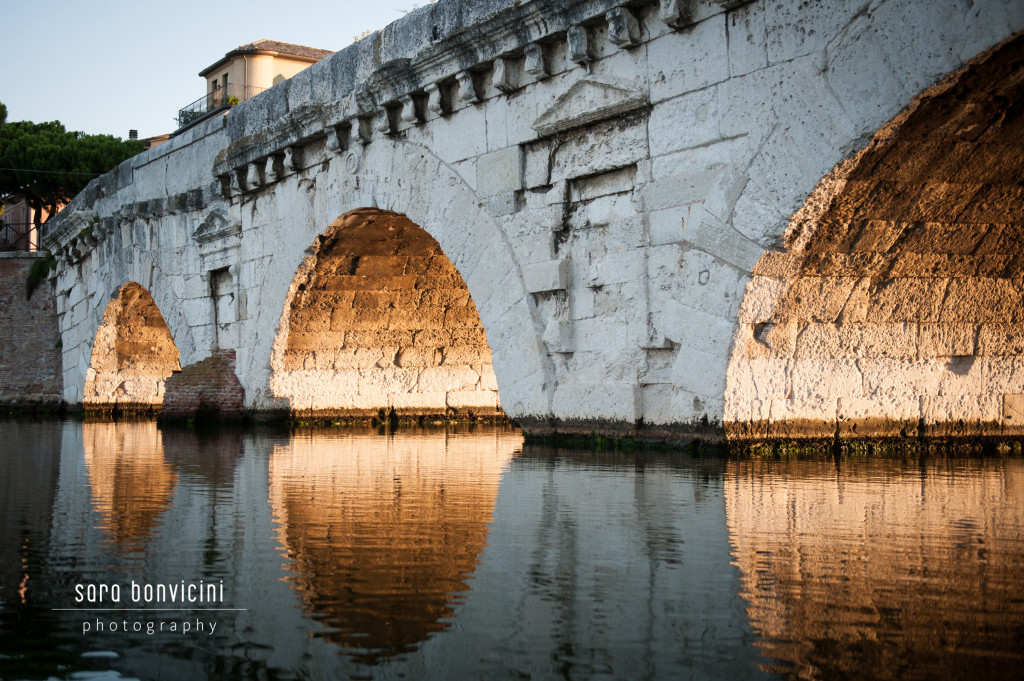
463	554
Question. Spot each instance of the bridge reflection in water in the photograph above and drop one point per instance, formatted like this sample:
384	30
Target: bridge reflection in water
384	532
454	555
130	481
892	566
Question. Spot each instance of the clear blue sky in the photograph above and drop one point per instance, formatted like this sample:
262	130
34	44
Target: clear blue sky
107	66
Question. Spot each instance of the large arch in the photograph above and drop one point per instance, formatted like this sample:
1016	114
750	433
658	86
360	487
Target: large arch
399	177
377	317
897	305
132	355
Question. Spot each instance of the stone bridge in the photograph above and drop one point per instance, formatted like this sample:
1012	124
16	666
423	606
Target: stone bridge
772	218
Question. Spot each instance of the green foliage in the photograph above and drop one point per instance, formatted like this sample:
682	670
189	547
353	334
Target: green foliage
49	165
38	272
3	113
186	116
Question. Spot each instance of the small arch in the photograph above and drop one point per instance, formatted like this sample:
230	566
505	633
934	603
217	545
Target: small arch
378	318
132	356
897	307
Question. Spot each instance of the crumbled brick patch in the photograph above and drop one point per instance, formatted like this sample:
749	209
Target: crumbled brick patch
208	389
30	362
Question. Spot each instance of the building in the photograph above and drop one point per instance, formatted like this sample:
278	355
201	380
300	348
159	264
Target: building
18	224
246	71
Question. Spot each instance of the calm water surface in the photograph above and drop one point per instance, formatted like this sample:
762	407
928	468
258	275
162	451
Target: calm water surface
465	555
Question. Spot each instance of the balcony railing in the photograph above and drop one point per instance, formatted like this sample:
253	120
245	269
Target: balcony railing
18	236
216	100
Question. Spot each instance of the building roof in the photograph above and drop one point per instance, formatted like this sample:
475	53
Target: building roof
273	47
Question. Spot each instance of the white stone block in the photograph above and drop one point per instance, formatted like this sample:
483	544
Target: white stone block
687	121
469	399
696	329
582	303
546	276
559	336
862	78
698	408
758	379
611	401
700	373
719	239
688	60
762	299
680	189
616	268
748	39
796	29
666	226
814	408
459	136
608	210
663	263
903	408
972	409
499	171
818	379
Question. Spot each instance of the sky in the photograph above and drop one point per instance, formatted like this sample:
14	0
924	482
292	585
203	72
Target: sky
108	66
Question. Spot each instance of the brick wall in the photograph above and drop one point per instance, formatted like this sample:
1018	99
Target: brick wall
30	363
207	389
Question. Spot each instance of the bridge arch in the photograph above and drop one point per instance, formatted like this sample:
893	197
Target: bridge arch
378	317
132	355
897	305
403	185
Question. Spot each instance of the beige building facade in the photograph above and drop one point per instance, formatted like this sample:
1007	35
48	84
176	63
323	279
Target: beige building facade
250	69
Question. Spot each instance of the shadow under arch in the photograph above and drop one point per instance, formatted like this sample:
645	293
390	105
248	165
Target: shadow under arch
132	356
377	317
897	306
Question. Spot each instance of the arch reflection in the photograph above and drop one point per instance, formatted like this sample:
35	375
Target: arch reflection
130	481
874	569
384	532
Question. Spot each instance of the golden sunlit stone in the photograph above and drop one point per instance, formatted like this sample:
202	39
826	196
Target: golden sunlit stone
897	306
379	318
132	356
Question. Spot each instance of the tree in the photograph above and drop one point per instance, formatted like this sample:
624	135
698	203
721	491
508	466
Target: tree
49	165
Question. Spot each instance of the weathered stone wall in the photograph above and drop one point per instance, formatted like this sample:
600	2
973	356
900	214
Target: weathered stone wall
29	337
898	304
604	178
379	317
132	356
